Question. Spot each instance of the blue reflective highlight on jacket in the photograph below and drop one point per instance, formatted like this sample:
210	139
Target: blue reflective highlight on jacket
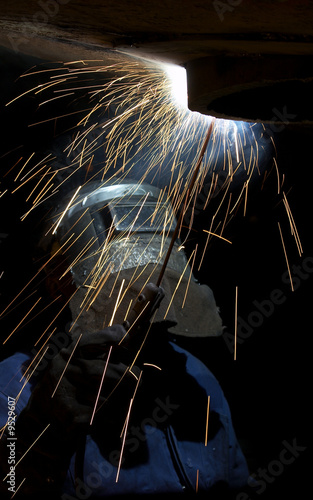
176	458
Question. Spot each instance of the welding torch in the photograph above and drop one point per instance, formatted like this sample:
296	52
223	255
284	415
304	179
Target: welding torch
150	298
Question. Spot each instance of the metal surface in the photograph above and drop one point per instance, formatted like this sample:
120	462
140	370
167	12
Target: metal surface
232	50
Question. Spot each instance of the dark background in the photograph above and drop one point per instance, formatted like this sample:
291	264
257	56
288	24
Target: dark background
268	386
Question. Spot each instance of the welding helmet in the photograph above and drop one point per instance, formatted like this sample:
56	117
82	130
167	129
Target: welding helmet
114	237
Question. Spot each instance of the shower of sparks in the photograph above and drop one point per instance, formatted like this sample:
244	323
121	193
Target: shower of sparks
8	307
127	126
130	124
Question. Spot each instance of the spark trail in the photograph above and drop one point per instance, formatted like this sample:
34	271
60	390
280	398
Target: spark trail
120	123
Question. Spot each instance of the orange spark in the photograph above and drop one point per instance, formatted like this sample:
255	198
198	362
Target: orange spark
217	236
68	361
125	428
101	383
22	320
286	257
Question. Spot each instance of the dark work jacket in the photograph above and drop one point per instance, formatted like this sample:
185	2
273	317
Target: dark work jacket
169	448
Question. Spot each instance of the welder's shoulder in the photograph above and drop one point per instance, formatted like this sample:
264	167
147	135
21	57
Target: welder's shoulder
13	390
204	377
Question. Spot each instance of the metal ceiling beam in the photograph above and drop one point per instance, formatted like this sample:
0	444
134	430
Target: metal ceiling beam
233	50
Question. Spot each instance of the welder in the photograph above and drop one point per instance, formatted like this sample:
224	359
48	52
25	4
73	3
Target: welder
121	409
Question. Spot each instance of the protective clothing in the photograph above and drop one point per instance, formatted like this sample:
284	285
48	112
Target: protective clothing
114	412
166	449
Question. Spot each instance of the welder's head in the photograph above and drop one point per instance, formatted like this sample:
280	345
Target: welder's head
114	237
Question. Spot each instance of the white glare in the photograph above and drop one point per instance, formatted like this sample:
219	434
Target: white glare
178	81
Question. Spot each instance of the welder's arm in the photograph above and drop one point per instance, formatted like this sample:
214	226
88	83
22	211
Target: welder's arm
61	407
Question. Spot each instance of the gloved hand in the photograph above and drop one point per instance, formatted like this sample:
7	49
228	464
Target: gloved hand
62	404
69	389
